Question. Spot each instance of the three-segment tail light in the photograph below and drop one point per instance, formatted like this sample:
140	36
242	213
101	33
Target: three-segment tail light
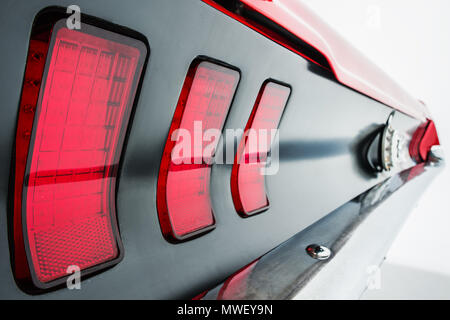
78	92
248	185
183	194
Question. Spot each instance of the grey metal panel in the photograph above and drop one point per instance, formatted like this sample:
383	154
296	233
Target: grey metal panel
323	122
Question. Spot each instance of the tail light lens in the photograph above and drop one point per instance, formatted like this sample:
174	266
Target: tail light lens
71	128
423	139
183	197
247	181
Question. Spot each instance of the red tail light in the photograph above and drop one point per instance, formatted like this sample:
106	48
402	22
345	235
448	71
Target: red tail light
247	182
423	139
183	196
67	160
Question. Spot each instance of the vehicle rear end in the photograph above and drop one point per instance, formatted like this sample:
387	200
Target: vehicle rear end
127	152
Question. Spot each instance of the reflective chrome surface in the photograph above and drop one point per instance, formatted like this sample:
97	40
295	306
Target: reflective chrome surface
318	252
283	273
393	146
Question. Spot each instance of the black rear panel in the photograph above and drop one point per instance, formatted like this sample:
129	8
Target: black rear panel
320	134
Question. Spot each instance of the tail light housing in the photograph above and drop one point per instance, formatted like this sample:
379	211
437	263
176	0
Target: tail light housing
423	139
183	195
248	186
78	93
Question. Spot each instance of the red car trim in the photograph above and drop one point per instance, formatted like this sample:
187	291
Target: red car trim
349	66
260	30
423	139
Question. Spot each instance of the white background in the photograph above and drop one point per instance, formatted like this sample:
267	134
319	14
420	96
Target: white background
410	40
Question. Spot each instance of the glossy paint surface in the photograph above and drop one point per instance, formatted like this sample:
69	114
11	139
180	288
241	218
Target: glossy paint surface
349	66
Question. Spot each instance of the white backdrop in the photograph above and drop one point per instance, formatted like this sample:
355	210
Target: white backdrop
410	40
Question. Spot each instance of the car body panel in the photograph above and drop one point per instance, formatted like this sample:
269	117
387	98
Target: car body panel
320	137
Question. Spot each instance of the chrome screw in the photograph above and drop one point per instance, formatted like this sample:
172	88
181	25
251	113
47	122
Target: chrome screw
318	252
